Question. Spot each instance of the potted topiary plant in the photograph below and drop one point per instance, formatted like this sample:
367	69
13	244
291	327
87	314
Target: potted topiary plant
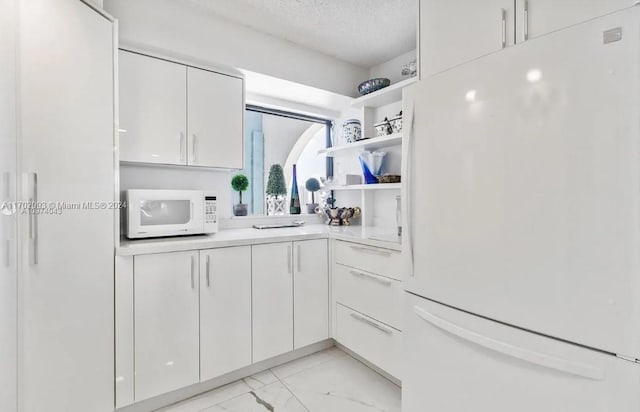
240	183
276	191
313	185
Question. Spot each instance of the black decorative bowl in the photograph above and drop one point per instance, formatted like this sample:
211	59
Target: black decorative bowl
371	85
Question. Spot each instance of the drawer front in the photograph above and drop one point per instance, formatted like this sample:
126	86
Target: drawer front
384	262
376	342
376	296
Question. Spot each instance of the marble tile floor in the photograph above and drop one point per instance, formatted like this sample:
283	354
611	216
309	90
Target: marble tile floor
327	381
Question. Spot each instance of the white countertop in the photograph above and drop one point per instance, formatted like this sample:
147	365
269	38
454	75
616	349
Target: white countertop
249	236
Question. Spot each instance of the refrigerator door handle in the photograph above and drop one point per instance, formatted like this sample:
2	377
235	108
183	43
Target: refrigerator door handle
406	190
526	355
33	217
526	20
503	25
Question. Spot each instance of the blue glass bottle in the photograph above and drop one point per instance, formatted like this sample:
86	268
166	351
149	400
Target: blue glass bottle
294	205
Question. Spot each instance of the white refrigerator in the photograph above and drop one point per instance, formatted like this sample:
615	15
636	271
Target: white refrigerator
522	227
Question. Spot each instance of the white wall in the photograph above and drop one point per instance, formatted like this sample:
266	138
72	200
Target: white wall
392	69
173	28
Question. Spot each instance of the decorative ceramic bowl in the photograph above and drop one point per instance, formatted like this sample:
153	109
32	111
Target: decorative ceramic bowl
371	85
383	128
396	123
389	179
351	131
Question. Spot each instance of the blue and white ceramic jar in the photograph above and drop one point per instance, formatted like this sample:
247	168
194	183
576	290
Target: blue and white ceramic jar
351	131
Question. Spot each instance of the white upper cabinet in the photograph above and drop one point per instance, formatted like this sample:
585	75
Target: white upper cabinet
272	300
537	17
310	292
225	310
153	98
166	322
171	113
215	119
454	32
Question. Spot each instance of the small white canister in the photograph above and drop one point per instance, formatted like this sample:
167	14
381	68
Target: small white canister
352	131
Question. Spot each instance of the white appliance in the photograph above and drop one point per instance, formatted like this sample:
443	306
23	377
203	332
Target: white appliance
154	213
522	219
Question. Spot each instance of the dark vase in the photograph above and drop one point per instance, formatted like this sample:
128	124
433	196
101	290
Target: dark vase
240	209
294	205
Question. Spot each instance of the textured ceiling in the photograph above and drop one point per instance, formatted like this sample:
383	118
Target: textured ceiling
362	32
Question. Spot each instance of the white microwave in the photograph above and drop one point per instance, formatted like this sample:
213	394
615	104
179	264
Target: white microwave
155	213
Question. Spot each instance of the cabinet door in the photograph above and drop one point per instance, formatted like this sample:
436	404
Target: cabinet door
272	276
310	292
8	173
225	310
537	17
454	32
153	107
166	322
215	119
65	112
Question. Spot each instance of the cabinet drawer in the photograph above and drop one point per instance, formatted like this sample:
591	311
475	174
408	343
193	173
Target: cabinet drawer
374	295
385	262
376	342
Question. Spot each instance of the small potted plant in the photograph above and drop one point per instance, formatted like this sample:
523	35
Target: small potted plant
276	191
240	183
312	185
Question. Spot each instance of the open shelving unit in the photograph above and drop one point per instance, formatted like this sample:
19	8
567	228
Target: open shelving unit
373	143
373	108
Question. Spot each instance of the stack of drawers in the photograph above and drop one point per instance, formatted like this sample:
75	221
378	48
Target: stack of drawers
368	303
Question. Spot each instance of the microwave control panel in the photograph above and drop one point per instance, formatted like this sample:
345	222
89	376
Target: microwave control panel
210	214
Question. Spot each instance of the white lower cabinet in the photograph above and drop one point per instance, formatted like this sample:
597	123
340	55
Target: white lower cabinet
367	299
310	292
378	343
166	322
377	296
272	298
188	317
225	310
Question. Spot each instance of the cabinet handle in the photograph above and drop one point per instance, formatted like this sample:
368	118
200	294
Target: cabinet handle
376	278
503	23
193	147
193	270
372	323
299	259
6	184
372	251
182	146
33	217
289	258
7	253
207	271
526	20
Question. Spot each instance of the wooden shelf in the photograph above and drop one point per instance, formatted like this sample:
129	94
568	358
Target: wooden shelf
373	143
389	94
374	186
